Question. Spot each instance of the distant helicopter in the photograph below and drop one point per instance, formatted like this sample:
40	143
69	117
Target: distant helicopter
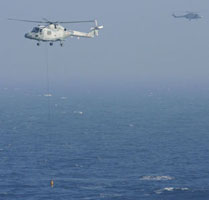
53	31
189	15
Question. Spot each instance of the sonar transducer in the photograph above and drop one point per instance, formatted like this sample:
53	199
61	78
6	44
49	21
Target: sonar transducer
52	183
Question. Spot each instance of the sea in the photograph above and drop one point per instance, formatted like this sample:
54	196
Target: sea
149	144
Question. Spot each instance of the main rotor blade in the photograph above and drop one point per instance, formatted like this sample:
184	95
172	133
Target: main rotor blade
76	22
23	20
46	21
192	12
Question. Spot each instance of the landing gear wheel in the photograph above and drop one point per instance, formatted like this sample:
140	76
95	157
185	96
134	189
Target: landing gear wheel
51	44
61	44
38	44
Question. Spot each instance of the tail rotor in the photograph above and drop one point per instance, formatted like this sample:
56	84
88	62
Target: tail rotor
96	28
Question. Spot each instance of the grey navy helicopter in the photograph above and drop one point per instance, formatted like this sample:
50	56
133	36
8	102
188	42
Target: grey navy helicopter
53	31
189	15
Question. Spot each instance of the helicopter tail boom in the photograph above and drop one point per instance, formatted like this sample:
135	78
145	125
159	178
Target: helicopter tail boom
94	31
177	16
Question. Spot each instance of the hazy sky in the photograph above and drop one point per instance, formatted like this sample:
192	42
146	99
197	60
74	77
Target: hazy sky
141	44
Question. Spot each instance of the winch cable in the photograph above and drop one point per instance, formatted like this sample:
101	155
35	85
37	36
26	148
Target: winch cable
48	96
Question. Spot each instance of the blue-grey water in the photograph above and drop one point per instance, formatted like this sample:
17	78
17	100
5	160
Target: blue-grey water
131	145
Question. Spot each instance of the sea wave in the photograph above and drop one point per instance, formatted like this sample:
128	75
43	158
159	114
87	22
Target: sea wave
48	95
63	98
156	178
78	112
171	189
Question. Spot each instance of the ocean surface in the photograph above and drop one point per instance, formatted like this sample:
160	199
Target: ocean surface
150	145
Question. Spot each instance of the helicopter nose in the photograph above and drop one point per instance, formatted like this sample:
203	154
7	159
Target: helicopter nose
27	35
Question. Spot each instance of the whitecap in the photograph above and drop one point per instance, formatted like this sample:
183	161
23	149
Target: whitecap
77	165
184	189
170	189
63	98
78	112
156	178
109	195
47	95
96	187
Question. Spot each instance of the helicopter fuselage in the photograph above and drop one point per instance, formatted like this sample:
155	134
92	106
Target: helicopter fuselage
189	16
53	33
48	33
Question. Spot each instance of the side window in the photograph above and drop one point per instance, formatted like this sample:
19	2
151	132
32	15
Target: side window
49	32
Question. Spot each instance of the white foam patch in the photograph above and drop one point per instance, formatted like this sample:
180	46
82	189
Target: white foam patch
107	195
170	189
92	187
48	95
78	112
156	178
63	98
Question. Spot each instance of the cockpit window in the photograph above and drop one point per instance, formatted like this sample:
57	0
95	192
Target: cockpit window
36	30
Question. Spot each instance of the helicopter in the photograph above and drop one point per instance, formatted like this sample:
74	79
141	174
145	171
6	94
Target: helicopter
53	31
189	15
